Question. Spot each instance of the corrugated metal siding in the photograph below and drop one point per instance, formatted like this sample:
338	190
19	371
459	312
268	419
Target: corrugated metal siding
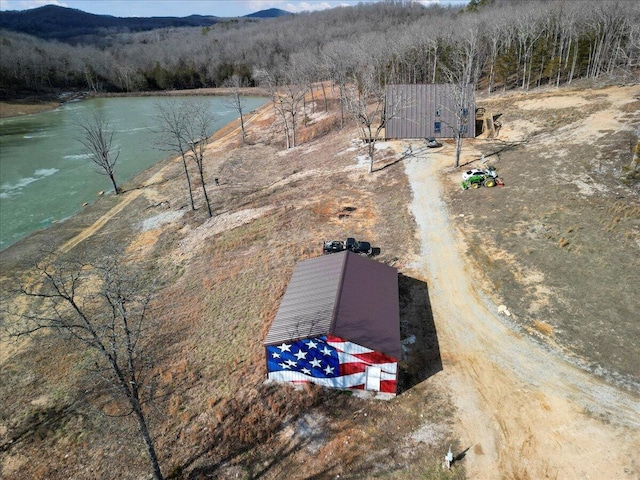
341	294
368	311
307	308
412	111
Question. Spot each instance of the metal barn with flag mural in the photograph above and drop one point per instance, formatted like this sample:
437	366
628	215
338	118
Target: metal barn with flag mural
338	325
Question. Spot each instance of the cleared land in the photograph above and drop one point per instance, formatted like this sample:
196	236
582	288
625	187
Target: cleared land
509	392
559	243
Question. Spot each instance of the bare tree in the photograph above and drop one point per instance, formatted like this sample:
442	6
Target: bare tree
269	81
197	132
461	99
462	72
336	64
494	39
287	94
172	132
293	94
529	30
236	102
105	309
97	137
305	70
365	101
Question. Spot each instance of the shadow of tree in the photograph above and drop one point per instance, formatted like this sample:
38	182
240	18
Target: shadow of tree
421	350
411	152
257	467
248	423
499	146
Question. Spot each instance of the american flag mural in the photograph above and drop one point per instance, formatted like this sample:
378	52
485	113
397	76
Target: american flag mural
332	362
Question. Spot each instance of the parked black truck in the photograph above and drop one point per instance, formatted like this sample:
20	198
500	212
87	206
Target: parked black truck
351	244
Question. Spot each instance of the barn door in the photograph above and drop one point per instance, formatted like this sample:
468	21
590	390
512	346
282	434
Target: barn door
373	378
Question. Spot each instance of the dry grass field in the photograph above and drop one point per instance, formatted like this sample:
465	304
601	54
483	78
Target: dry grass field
221	281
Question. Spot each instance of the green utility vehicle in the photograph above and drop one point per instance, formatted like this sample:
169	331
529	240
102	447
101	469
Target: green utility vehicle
476	178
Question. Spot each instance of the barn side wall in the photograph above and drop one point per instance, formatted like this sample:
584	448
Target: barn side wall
427	110
330	362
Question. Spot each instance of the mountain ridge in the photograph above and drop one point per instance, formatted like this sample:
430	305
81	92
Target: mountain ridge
53	22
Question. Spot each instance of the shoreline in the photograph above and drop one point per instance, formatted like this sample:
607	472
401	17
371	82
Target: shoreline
60	232
20	108
10	241
28	105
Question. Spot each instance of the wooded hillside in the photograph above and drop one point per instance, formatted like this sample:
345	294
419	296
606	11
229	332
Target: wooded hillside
69	25
506	44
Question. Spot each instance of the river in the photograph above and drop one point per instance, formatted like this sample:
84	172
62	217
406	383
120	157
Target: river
45	173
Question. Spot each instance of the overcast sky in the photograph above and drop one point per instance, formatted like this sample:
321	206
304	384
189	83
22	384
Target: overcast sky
184	8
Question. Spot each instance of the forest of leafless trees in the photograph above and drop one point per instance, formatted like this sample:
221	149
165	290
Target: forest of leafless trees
506	45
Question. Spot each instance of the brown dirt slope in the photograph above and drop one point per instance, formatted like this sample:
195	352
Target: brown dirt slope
222	278
559	244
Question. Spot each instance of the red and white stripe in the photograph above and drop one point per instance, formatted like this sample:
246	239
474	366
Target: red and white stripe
355	358
356	380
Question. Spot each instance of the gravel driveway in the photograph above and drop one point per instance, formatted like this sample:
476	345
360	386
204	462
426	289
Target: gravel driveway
522	409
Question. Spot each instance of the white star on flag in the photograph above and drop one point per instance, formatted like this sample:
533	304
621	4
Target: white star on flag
315	363
328	370
284	365
311	344
291	362
326	351
284	347
306	371
300	355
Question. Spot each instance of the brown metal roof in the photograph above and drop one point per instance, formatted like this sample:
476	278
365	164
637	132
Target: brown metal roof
342	294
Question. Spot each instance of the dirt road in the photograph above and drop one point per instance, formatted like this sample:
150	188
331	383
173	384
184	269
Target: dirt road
523	411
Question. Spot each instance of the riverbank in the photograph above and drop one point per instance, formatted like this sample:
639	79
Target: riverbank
46	175
30	104
26	107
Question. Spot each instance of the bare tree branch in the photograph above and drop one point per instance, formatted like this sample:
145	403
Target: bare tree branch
197	132
96	136
173	122
236	101
103	307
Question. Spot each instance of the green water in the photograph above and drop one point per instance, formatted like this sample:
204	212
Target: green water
45	173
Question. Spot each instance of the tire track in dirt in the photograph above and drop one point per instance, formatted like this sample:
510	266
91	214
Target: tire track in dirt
523	411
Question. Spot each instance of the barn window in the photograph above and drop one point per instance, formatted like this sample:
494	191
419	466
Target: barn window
438	113
437	128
